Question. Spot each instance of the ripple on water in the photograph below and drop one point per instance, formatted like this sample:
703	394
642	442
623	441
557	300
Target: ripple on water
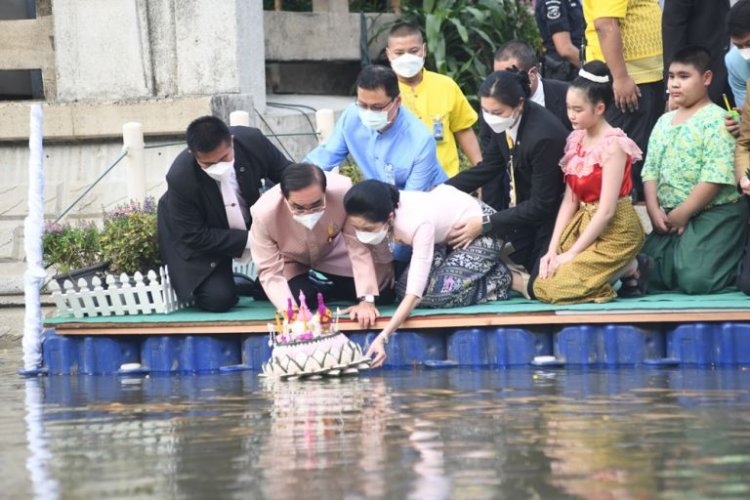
423	434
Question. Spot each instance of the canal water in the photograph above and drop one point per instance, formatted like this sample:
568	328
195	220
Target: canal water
458	433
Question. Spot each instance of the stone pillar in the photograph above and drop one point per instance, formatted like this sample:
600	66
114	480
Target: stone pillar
124	50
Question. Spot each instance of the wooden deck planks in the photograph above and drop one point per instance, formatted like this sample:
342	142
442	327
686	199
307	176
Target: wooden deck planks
419	322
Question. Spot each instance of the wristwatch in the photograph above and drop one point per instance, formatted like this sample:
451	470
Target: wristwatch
486	224
367	298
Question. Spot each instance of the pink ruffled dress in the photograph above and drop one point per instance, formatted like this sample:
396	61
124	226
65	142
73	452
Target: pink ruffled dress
588	277
583	169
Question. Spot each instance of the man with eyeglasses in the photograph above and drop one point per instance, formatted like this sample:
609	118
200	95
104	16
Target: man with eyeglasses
204	216
386	141
299	236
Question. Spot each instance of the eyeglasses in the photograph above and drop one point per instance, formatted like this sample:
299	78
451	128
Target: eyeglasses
318	206
374	107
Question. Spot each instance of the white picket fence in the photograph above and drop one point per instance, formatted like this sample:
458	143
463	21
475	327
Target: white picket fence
150	294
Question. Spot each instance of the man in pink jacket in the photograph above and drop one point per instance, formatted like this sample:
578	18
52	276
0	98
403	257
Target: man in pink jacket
300	226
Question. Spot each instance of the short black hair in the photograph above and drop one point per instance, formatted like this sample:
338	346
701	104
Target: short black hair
596	92
694	55
301	175
738	19
207	133
371	199
520	51
404	29
507	86
375	76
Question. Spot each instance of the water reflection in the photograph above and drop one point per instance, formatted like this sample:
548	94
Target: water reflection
418	434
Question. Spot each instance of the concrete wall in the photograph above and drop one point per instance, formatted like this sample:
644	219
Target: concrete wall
136	49
319	36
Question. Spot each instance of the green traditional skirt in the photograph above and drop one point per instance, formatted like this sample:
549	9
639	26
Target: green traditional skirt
705	257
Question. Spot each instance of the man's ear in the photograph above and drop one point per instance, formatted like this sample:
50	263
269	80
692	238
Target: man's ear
708	76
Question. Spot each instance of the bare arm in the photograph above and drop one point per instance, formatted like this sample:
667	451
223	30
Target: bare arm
564	46
610	39
613	169
403	310
568	207
469	144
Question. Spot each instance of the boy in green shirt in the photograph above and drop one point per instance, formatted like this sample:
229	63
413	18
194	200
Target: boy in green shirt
688	179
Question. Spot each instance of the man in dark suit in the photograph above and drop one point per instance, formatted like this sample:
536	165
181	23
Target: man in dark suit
204	216
698	22
535	158
548	93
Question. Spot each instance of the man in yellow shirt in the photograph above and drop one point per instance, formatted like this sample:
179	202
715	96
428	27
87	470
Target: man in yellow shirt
626	34
435	99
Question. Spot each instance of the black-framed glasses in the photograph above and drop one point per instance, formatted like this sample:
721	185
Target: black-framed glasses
374	107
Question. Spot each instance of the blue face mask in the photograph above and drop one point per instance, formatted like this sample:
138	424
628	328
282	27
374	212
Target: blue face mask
374	120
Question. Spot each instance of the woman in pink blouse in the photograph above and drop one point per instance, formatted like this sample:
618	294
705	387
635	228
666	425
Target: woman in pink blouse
437	276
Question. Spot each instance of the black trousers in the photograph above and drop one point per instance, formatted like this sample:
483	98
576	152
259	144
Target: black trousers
639	123
333	288
217	292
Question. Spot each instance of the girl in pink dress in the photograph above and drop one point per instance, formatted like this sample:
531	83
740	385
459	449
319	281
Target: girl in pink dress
597	234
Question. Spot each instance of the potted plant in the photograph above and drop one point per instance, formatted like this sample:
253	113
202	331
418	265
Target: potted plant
128	238
74	251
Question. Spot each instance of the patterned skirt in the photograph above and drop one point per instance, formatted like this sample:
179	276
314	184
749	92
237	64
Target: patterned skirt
464	277
588	277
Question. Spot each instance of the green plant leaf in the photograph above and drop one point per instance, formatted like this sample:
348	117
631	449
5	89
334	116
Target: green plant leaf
461	29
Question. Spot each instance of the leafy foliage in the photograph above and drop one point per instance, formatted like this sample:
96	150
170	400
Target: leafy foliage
69	247
462	35
129	240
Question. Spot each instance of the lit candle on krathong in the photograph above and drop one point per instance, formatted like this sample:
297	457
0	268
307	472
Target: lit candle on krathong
278	322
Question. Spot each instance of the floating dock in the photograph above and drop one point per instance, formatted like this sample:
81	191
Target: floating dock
668	329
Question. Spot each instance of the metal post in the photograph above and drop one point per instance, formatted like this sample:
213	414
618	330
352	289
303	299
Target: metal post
239	118
132	138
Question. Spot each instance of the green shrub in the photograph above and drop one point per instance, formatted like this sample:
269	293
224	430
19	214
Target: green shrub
67	247
462	35
128	239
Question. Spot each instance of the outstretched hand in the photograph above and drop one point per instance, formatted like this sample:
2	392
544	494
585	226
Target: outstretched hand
376	352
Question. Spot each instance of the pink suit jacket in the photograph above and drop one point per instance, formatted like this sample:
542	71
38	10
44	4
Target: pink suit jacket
283	248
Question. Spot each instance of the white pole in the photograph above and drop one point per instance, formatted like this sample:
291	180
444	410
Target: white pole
33	230
325	122
40	456
239	118
132	138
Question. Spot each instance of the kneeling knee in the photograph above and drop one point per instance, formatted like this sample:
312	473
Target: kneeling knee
216	302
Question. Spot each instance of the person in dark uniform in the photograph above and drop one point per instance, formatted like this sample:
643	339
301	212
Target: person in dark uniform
204	216
548	93
528	142
561	26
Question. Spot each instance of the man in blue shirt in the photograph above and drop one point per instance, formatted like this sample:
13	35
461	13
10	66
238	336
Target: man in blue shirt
738	58
386	141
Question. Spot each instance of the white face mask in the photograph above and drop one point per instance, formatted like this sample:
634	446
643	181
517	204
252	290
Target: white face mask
407	65
374	120
498	124
372	238
218	171
745	53
308	220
